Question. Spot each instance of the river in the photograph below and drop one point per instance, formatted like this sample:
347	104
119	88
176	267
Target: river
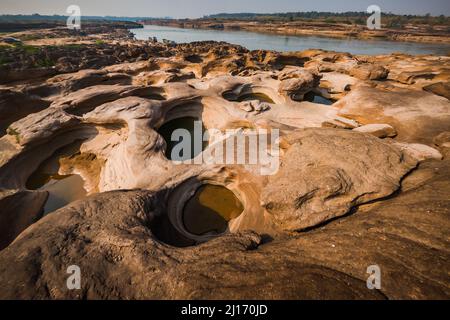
255	41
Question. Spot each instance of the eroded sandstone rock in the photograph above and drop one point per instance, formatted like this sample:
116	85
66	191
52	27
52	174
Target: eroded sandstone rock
324	264
15	105
18	212
439	88
378	130
295	82
334	171
417	116
442	139
420	151
369	72
114	115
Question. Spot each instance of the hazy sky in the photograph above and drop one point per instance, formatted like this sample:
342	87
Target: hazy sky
198	8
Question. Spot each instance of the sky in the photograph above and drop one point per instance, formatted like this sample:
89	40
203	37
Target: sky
199	8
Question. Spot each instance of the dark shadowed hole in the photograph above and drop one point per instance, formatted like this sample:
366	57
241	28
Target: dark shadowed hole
194	58
210	210
187	123
163	229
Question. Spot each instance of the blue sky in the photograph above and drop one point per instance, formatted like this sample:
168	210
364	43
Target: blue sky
198	8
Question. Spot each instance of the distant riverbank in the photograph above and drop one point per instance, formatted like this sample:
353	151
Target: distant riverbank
409	32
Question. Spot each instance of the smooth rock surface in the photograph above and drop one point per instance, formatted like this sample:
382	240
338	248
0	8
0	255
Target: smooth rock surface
377	130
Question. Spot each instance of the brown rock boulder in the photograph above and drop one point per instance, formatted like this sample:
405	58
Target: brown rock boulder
369	71
18	211
15	105
377	130
325	172
417	116
439	88
295	82
109	238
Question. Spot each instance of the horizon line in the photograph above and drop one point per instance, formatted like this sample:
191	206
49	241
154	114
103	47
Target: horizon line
218	13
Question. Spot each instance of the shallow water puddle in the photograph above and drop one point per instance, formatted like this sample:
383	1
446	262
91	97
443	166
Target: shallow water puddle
312	97
210	210
62	189
255	96
248	97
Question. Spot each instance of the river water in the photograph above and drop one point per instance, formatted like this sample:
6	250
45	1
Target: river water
255	41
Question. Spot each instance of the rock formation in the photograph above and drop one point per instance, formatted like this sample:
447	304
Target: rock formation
362	180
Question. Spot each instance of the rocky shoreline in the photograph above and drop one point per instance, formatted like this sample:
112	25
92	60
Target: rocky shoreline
364	176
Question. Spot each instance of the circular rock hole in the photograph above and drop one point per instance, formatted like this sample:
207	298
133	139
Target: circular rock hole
230	96
199	217
62	189
210	210
164	230
189	124
316	98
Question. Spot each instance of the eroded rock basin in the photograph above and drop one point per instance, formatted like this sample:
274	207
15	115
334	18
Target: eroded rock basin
316	98
210	210
62	189
248	97
203	216
192	126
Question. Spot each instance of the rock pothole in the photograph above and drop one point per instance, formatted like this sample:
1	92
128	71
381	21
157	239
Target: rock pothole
247	96
191	127
317	98
62	188
210	210
196	213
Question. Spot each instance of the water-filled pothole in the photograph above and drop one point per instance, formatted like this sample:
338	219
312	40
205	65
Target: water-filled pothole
189	124
230	96
314	97
62	189
210	210
196	217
